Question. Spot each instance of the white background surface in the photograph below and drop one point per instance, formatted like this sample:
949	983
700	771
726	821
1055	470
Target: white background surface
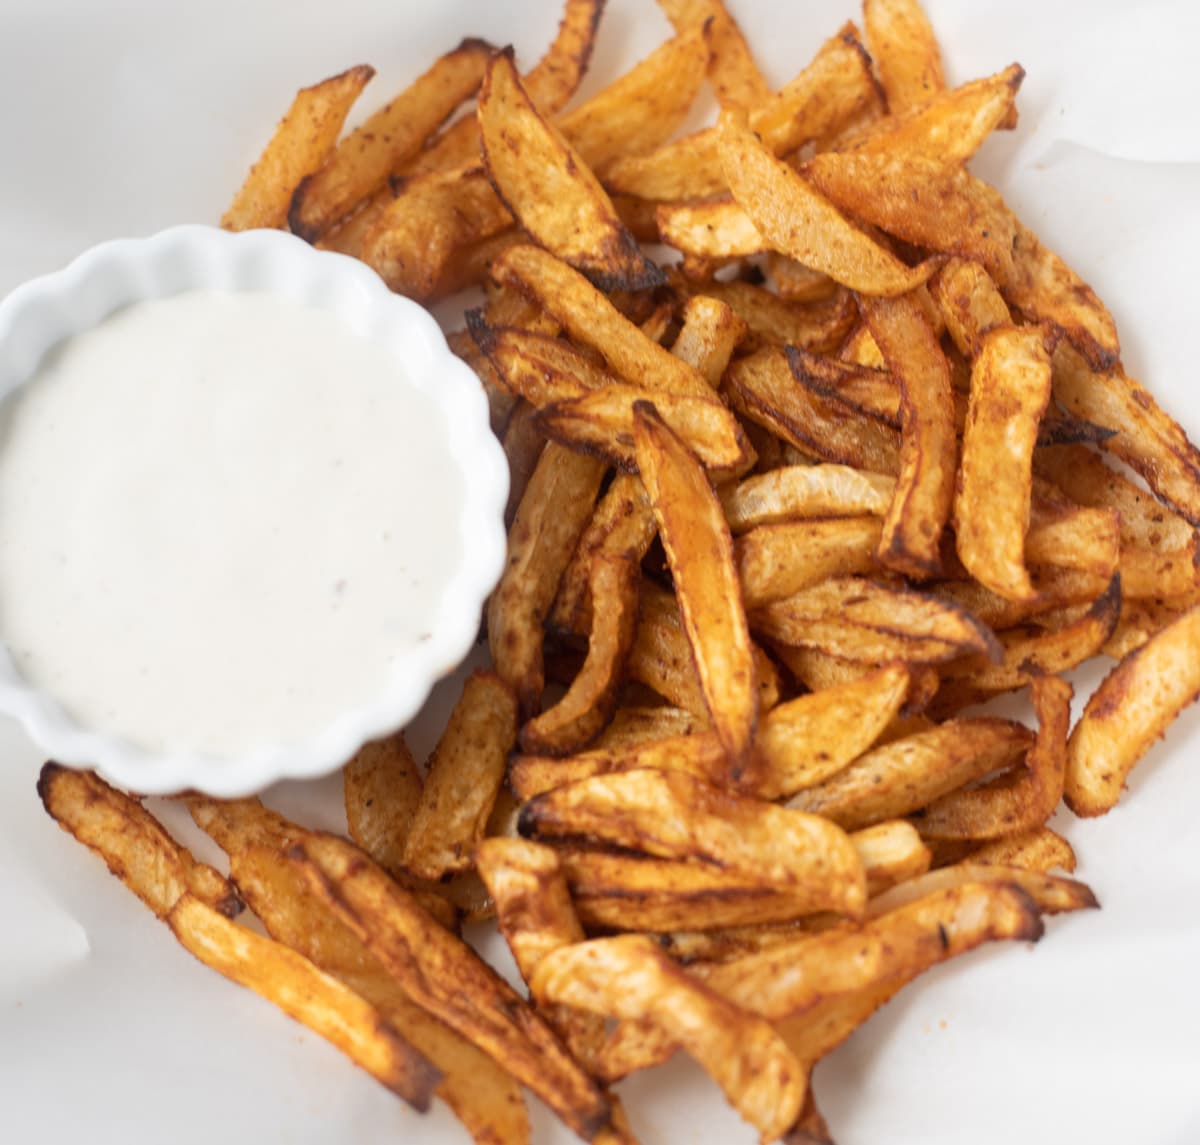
123	117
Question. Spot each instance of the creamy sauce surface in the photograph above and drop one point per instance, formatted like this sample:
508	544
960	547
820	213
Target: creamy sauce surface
222	516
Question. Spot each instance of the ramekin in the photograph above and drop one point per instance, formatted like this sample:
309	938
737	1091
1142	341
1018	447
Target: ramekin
44	312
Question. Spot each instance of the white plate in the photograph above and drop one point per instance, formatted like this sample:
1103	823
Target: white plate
106	1027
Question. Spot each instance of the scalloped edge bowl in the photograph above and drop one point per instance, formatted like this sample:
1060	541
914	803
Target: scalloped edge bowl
48	310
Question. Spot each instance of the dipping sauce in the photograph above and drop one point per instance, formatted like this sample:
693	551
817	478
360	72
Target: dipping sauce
222	516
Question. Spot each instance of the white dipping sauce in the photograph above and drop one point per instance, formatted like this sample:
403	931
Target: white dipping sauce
221	518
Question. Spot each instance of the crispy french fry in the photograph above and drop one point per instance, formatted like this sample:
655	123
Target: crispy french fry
592	697
800	492
382	791
549	188
718	229
630	977
920	507
1129	711
799	222
302	142
465	774
709	335
700	552
445	977
969	303
731	68
523	448
553	513
131	842
1051	894
907	774
819	325
363	160
1037	850
1010	386
905	52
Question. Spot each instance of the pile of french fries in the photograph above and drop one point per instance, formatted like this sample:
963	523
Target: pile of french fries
785	510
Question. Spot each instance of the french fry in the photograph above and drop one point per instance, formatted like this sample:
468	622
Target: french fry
553	513
306	994
1037	850
818	671
1015	803
716	229
549	188
920	507
629	977
921	200
819	325
731	68
592	697
381	788
445	977
1085	540
799	222
1051	894
593	320
131	842
903	776
1129	711
778	561
644	107
523	448
1010	386
969	303
710	333
675	816
905	52
800	492
952	125
300	146
363	160
861	620
699	550
465	774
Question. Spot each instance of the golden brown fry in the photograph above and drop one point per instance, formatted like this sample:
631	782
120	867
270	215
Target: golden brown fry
644	107
557	75
920	507
592	696
951	126
731	68
905	51
969	303
861	620
717	229
1019	802
675	816
699	550
382	791
921	200
763	389
800	492
350	234
593	320
1051	894
445	977
305	993
1129	711
819	325
549	188
907	774
465	774
302	142
797	221
553	512
778	561
1037	850
1047	290
368	155
630	977
710	333
1010	386
131	842
1086	540
523	448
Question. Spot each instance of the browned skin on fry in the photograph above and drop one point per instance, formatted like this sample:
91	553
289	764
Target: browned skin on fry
1037	850
382	790
800	492
912	529
549	188
302	142
905	50
699	550
731	69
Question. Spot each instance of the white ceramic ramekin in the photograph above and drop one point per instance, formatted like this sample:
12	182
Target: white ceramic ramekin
44	312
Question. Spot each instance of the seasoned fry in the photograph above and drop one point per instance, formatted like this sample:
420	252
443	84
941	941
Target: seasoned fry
1051	894
799	492
920	507
819	325
549	188
710	333
630	977
798	222
302	142
465	774
445	977
363	160
907	774
382	791
1038	850
592	697
1129	711
700	552
131	842
905	52
969	303
731	68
